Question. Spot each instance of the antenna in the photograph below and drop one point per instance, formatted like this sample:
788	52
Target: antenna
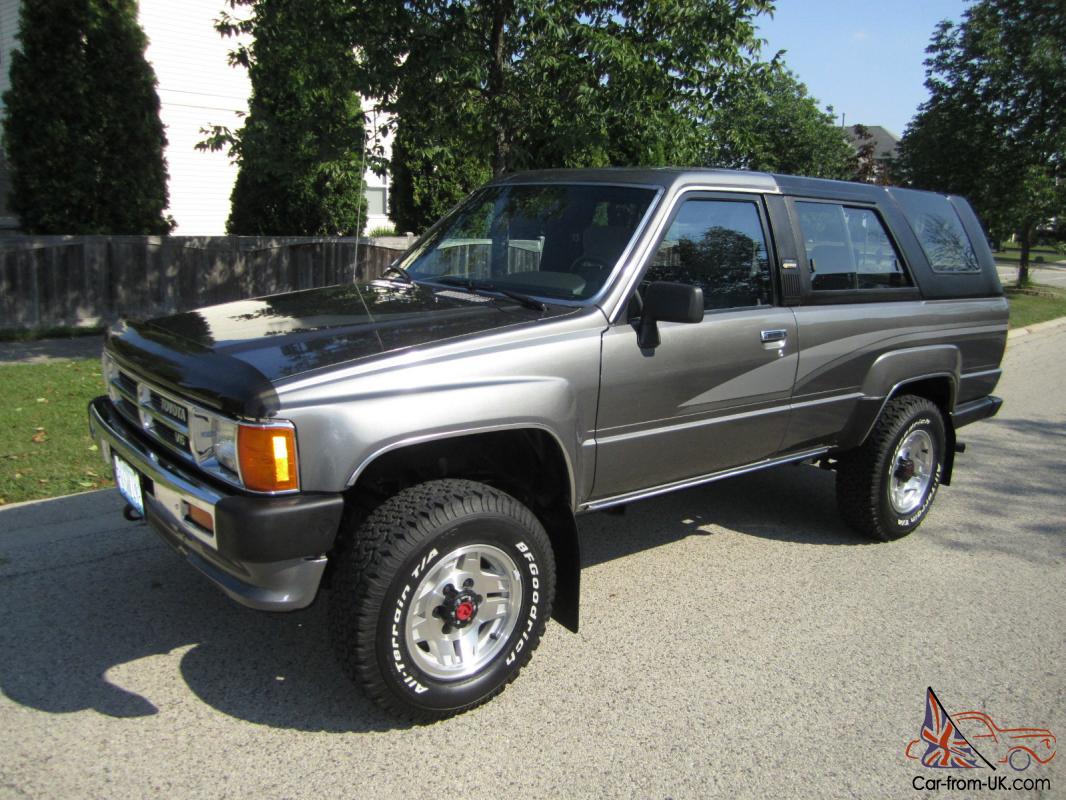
359	208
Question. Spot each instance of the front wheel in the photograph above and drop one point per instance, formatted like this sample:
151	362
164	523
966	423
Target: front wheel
886	487
1020	759
442	597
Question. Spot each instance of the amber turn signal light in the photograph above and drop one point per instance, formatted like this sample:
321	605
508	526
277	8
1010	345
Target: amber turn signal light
267	456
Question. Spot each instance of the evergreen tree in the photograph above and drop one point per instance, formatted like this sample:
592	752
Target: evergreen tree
81	128
302	150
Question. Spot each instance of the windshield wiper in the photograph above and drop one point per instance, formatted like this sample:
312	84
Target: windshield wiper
482	288
518	297
404	274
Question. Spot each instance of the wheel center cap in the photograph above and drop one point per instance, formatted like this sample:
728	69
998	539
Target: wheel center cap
464	612
905	470
460	608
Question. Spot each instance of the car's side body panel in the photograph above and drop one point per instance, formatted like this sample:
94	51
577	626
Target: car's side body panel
539	376
710	397
853	356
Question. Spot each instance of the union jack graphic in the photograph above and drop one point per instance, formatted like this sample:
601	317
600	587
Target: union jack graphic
947	747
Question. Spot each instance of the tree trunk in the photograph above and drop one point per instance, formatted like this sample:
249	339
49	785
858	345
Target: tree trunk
1023	258
500	146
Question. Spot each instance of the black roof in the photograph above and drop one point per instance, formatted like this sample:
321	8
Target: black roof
669	178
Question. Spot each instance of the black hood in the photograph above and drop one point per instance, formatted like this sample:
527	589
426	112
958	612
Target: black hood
229	355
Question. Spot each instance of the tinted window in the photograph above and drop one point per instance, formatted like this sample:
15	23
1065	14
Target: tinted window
848	248
939	229
719	246
553	240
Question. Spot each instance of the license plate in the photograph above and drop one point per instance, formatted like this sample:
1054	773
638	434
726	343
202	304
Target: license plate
129	484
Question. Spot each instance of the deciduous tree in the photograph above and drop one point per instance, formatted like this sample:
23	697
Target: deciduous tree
482	87
768	122
994	127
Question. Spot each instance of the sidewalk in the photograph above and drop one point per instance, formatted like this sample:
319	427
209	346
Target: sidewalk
43	351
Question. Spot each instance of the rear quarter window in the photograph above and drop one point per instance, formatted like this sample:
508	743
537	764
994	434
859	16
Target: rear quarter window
939	230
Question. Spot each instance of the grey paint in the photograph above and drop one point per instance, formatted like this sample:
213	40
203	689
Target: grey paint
712	400
711	396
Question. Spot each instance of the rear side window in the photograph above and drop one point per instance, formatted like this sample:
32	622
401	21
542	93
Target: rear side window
848	248
939	230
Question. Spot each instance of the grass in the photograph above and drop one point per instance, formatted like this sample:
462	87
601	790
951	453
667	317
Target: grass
45	448
1036	304
1011	253
33	334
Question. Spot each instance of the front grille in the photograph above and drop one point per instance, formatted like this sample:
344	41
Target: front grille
163	416
180	426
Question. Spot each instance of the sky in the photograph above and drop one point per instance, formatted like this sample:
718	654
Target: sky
863	57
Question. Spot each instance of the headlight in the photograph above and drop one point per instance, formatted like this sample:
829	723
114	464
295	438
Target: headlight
259	457
110	372
224	434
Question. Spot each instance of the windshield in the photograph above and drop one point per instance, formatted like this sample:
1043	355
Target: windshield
556	241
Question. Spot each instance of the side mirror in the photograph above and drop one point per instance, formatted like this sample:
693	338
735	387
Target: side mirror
667	302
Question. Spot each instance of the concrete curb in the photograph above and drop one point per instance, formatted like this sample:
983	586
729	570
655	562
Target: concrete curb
1051	324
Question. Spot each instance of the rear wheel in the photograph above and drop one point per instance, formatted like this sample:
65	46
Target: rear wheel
442	598
886	487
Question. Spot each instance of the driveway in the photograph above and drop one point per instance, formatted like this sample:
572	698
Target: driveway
736	641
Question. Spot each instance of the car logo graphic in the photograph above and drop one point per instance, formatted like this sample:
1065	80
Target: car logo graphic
970	739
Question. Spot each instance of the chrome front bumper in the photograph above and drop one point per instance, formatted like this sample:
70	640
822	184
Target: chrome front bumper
267	553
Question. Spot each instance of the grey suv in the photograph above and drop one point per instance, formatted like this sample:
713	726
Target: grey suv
562	342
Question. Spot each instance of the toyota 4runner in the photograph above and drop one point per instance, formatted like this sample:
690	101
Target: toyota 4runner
562	342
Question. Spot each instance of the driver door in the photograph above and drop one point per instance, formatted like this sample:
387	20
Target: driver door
713	395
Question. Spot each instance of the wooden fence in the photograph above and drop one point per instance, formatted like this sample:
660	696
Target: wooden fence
54	281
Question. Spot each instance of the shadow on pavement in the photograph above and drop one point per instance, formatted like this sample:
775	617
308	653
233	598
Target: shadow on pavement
787	504
77	615
44	350
1013	481
91	617
81	609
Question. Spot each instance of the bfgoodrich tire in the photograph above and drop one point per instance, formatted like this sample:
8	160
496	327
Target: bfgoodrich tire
886	487
442	598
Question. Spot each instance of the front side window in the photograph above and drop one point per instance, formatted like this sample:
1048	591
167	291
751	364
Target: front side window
719	246
556	240
848	248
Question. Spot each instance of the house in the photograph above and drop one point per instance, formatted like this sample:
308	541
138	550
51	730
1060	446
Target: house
197	88
877	148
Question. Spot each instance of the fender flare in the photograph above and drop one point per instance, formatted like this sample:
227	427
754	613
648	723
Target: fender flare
890	374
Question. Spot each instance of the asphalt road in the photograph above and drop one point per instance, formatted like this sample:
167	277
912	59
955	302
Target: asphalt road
737	641
1046	275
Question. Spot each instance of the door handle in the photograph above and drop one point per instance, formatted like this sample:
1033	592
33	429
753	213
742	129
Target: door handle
776	335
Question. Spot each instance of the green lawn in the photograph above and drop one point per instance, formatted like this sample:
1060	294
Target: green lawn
1038	304
45	449
1010	254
